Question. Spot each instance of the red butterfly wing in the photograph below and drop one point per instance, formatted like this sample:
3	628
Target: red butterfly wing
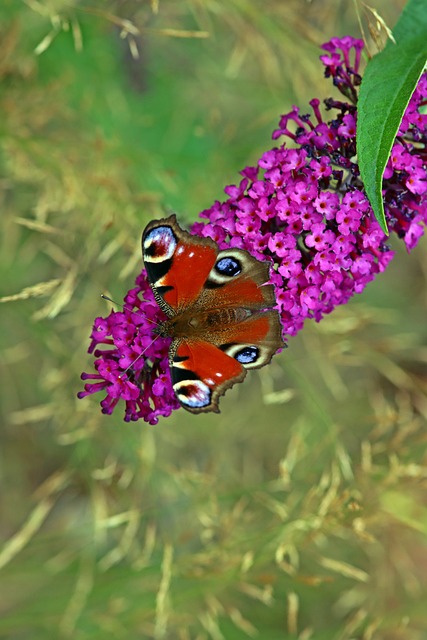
177	263
201	372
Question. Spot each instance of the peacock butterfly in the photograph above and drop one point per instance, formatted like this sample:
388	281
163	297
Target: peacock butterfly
219	310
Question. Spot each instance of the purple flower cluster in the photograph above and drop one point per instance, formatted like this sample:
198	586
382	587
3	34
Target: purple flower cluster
134	366
301	207
305	210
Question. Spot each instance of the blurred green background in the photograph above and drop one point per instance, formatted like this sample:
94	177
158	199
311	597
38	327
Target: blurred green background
298	512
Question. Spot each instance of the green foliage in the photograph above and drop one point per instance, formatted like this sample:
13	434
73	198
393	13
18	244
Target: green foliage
299	511
388	83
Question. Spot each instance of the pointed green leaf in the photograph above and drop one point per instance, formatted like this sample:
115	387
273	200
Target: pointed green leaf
388	83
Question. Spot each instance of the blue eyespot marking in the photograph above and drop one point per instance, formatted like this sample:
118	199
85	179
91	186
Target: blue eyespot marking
247	355
228	267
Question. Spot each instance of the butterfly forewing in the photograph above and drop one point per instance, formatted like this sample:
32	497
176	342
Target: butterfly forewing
201	372
177	263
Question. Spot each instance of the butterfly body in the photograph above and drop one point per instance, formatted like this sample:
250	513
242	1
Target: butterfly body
218	308
187	325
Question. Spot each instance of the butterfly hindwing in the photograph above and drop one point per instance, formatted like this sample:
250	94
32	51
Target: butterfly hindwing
237	280
220	312
202	371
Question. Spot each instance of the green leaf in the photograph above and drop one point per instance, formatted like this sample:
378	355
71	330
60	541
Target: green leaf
388	83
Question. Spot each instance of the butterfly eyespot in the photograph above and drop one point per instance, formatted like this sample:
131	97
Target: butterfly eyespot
228	267
159	244
250	356
247	355
194	394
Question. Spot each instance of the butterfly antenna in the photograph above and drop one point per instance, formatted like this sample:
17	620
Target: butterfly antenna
147	319
125	306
